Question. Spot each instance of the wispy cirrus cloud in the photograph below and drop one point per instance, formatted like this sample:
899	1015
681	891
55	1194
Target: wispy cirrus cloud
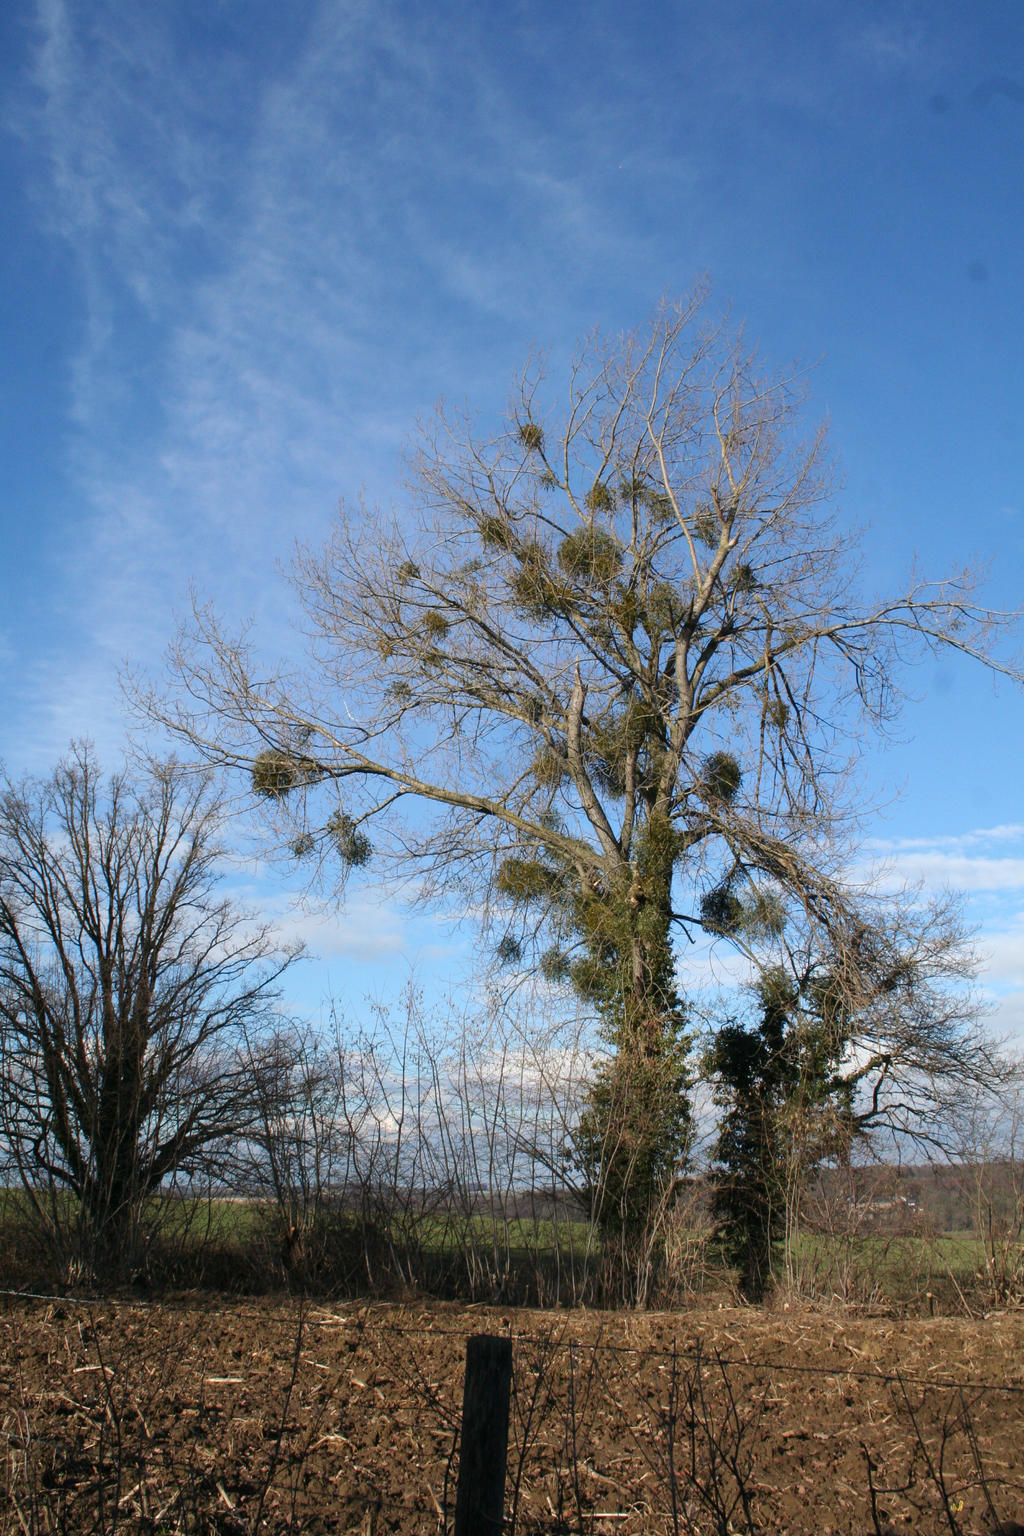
290	228
281	253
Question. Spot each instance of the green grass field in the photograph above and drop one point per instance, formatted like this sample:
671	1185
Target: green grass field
242	1244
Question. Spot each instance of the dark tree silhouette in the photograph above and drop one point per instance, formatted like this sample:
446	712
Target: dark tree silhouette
126	988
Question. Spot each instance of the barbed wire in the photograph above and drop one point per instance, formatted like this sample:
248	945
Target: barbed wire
551	1342
699	1353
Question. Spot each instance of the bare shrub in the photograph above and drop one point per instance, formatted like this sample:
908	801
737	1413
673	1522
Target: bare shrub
423	1151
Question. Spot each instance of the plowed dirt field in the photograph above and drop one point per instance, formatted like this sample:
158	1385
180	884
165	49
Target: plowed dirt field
201	1414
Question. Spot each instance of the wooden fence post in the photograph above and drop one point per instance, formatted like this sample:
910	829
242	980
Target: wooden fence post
483	1448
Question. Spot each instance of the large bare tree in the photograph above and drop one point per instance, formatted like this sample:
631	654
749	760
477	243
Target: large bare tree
612	666
126	990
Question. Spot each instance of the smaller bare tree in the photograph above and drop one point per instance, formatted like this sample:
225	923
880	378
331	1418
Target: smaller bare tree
125	989
988	1155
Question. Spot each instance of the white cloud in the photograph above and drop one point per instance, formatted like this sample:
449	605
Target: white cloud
1003	955
983	859
361	930
893	44
706	965
1009	832
1006	1022
939	870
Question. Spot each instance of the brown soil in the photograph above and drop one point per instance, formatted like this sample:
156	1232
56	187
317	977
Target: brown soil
204	1415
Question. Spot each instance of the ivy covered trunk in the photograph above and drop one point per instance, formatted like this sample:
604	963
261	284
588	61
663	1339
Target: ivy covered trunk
786	1108
633	1138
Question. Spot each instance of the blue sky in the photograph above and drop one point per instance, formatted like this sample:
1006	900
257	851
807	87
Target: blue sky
246	245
